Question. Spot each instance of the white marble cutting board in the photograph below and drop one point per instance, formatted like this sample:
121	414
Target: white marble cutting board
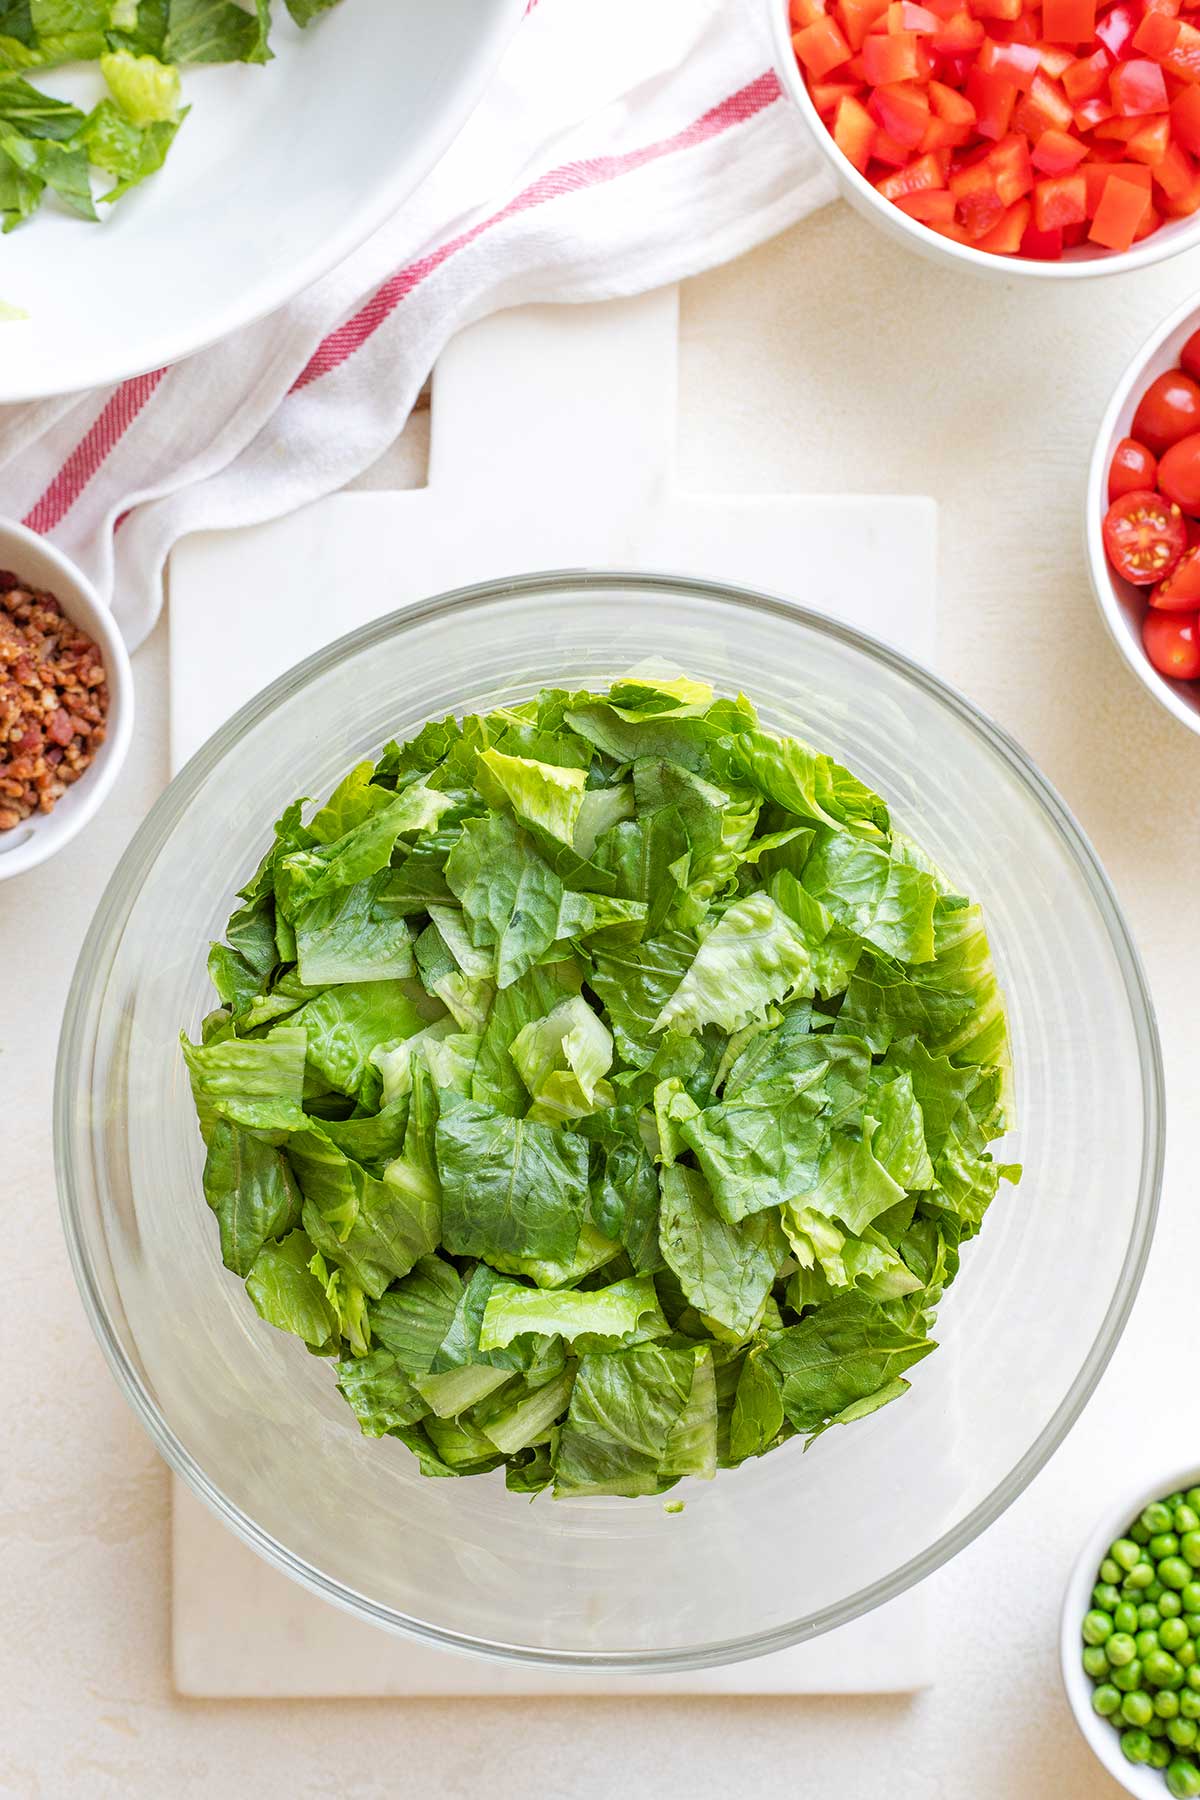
552	445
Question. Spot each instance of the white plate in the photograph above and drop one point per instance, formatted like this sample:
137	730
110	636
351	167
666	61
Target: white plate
277	174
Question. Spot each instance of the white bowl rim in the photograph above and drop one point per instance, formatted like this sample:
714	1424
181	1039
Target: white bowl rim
84	607
162	820
1102	1738
1164	691
1152	250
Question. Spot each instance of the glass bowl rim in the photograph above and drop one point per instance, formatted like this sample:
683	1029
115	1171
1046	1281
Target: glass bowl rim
154	832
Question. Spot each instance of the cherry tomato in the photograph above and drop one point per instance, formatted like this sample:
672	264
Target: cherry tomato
1172	642
1144	536
1179	473
1189	356
1132	467
1180	590
1168	410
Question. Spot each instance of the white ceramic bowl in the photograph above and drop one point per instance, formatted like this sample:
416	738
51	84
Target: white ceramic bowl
276	175
1079	264
1123	606
39	563
1104	1740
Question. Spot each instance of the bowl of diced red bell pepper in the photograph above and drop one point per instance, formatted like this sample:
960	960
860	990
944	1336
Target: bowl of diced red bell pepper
1057	137
1143	515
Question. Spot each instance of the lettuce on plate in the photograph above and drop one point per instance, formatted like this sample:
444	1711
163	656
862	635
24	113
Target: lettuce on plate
603	1084
82	157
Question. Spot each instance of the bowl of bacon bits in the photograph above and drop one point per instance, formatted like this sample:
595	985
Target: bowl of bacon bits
1143	515
66	700
1049	137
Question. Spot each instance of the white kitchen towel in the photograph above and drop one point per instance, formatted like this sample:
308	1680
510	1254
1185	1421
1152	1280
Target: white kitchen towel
622	144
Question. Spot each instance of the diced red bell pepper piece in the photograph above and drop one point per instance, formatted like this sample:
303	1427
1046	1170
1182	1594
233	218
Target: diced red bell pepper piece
950	105
1069	21
1098	174
1009	10
856	18
978	202
1091	113
1044	108
923	174
1173	173
1150	144
891	58
1138	88
905	15
1060	200
1122	208
803	12
1042	246
1117	131
854	132
932	207
1013	171
1018	63
1087	77
1149	225
1115	28
827	96
885	149
941	135
1055	60
1156	35
1185	119
821	47
1182	206
959	35
902	110
1005	237
1183	58
993	99
1057	153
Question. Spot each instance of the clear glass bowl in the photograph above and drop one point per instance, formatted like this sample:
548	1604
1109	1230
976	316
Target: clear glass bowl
781	1549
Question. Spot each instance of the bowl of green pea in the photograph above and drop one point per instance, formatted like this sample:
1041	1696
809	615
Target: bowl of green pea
1130	1641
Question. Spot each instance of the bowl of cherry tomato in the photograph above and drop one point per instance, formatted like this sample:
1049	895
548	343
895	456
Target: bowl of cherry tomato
1143	515
1041	137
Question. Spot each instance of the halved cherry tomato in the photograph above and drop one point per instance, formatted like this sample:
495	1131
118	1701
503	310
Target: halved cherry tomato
1132	467
1144	536
1167	411
1172	642
1189	356
1179	473
1180	590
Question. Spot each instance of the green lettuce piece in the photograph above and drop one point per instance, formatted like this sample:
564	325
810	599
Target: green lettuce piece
375	1228
381	1393
288	1295
593	1251
888	903
249	1184
517	1418
127	151
410	1320
305	11
354	934
624	1408
562	1060
725	1270
540	794
621	1310
758	1415
844	1353
495	1081
898	1139
258	1083
215	31
634	983
756	1155
61	167
305	875
751	958
510	895
28	113
458	1391
348	1023
146	90
691	1447
508	1186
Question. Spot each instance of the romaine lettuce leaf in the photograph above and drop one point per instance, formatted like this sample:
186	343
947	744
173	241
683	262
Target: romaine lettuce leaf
751	958
508	1186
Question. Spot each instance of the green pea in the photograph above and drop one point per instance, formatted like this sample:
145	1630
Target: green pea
1189	1545
1128	1679
1190	1596
1106	1700
1154	1591
1166	1704
1109	1570
1156	1517
1192	1499
1126	1553
1136	1745
1095	1663
1160	1756
1157	1727
1189	1703
1138	1533
1186	1518
1148	1617
1138	1709
1173	1500
1097	1628
1183	1779
1147	1643
1106	1596
1173	1572
1125	1617
1193	1679
1141	1579
1169	1604
1162	1670
1182	1733
1120	1648
1185	1656
1172	1634
1163	1543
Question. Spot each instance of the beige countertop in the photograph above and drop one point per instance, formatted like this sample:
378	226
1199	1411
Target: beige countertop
829	360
